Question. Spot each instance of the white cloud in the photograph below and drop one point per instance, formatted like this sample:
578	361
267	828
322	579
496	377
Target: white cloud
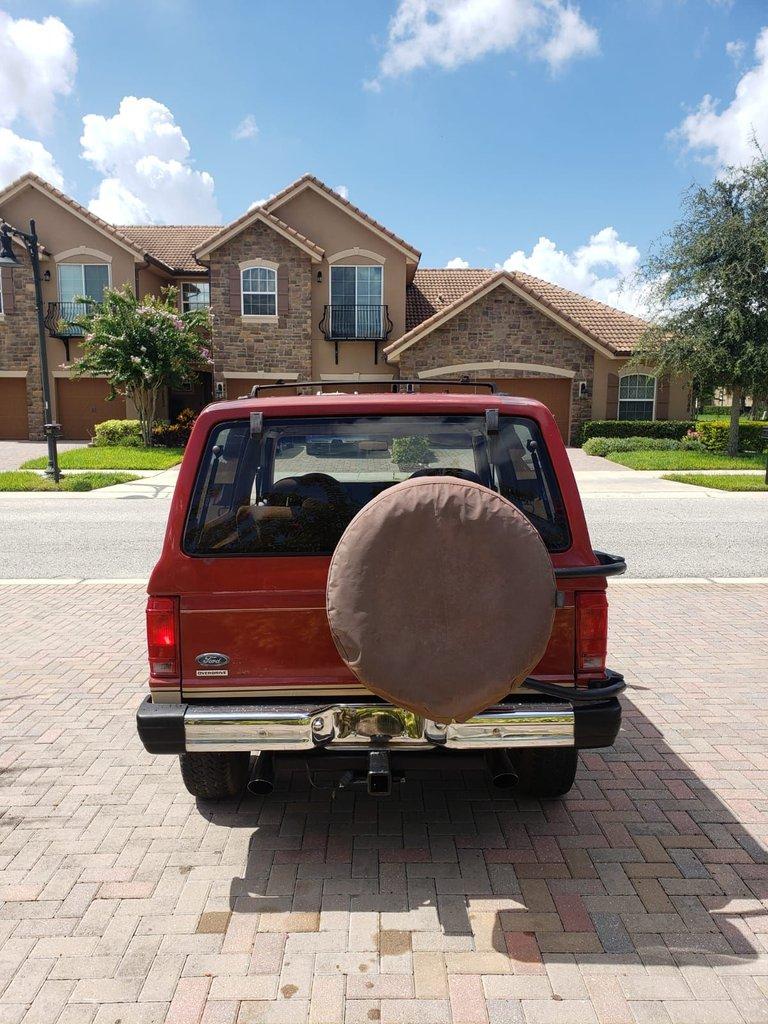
247	129
457	263
18	156
37	65
449	33
736	49
145	158
343	190
726	137
603	269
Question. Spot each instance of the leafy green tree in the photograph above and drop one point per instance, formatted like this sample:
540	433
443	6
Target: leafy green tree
708	284
141	346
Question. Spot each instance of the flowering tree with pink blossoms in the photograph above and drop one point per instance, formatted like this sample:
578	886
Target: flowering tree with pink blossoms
141	346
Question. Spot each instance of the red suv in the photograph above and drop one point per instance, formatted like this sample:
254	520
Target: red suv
250	651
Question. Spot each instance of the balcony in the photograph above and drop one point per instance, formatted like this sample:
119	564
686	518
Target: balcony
59	321
356	323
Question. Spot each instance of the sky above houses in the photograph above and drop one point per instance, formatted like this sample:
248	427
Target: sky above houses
540	135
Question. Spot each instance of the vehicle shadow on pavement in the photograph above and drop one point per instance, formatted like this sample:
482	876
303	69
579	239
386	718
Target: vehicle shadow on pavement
642	863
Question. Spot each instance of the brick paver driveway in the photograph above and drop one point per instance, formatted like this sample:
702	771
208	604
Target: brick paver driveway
641	898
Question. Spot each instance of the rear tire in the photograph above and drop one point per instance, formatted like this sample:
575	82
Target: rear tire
545	772
215	776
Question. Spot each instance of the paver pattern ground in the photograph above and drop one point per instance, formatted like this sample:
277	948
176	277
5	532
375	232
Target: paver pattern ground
641	898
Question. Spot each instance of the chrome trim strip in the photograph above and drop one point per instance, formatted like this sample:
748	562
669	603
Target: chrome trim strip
362	726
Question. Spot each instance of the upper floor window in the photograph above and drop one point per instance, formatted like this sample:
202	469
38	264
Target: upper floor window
259	291
356	296
637	396
195	295
88	279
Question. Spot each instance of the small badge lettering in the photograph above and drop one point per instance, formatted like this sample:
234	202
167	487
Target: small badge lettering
212	660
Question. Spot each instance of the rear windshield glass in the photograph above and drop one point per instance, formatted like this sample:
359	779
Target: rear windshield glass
294	488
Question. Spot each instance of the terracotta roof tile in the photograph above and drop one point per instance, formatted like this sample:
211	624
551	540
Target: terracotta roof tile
74	205
433	291
172	244
276	199
264	213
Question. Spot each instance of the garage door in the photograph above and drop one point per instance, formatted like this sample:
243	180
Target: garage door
554	392
13	409
81	403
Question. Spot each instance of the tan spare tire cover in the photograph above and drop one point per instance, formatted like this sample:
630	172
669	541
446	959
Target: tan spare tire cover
441	597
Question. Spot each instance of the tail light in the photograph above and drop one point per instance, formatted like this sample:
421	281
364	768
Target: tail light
591	632
162	636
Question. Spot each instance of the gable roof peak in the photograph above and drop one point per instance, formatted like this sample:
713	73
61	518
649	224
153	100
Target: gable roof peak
311	180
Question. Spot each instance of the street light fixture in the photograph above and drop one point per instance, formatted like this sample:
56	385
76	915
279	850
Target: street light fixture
8	259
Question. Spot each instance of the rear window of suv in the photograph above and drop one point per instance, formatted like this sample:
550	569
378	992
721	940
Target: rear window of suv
293	488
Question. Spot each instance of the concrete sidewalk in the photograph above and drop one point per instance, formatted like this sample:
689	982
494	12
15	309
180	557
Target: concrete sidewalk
640	898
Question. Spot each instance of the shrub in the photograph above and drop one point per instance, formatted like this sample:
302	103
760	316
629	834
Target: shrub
411	451
714	435
604	445
175	435
674	429
126	433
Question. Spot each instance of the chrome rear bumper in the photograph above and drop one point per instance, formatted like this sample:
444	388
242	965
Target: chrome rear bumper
352	726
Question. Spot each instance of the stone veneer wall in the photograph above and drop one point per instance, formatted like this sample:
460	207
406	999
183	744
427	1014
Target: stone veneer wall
19	342
504	326
242	345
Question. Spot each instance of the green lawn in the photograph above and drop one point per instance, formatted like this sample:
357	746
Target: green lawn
731	482
686	460
18	480
113	457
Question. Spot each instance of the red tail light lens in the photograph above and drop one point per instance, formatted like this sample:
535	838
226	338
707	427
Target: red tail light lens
162	637
592	632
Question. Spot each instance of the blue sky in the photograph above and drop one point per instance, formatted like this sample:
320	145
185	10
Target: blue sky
472	130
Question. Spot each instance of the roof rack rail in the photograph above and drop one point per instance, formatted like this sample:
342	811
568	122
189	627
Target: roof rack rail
393	386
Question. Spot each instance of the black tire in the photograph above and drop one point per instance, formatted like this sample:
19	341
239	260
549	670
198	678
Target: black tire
545	772
215	776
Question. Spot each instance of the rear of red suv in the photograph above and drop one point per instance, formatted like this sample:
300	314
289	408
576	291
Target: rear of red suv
241	655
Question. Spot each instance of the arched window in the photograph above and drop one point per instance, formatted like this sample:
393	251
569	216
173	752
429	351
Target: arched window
259	291
637	396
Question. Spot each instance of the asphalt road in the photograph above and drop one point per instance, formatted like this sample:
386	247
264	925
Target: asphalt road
661	535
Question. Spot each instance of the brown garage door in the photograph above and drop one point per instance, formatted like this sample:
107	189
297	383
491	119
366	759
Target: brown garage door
81	403
13	409
554	392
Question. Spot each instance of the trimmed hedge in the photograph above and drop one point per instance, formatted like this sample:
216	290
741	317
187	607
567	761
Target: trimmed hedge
714	435
126	433
603	445
672	429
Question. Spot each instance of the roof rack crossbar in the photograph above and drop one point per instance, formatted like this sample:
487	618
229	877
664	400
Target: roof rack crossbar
395	386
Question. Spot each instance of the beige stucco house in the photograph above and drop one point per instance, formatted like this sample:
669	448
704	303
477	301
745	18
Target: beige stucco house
309	287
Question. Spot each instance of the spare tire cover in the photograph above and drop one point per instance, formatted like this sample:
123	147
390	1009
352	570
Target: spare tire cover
441	597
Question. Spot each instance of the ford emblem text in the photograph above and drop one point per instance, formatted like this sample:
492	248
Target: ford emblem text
212	660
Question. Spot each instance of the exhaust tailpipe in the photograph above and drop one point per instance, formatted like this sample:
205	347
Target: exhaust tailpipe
379	773
262	780
501	769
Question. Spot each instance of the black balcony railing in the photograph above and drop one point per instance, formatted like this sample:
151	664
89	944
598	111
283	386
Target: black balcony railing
60	317
342	322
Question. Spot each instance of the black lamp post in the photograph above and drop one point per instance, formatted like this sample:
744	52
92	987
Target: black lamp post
7	259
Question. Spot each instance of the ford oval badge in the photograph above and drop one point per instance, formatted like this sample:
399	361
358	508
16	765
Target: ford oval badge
212	660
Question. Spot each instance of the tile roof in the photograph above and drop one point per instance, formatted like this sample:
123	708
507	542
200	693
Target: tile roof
172	244
434	291
260	212
310	179
110	229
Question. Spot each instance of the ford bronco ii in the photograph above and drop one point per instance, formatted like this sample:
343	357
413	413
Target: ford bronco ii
360	577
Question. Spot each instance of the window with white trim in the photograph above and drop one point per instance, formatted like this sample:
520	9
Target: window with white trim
195	295
637	396
259	291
